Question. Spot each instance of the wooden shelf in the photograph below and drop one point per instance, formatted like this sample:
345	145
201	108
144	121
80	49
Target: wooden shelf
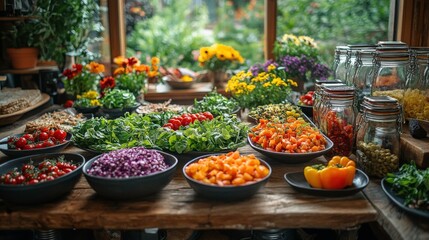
35	70
17	18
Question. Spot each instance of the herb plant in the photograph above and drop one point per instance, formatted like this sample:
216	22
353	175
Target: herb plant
118	98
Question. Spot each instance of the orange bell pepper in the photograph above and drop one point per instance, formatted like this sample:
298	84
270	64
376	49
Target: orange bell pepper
333	176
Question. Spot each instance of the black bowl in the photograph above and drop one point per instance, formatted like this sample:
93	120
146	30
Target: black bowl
291	157
92	109
44	191
21	153
132	187
225	193
307	110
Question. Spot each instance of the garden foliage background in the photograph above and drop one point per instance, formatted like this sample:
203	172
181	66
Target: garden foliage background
175	30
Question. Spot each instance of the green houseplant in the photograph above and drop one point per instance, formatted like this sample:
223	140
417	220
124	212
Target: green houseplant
22	50
65	26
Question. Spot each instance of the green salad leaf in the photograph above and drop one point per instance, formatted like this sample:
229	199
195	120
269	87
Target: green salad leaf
412	184
215	103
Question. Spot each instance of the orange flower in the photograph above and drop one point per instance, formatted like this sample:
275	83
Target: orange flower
119	70
154	61
142	68
94	67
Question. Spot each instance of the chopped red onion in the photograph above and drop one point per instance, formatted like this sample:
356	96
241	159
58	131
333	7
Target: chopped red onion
130	162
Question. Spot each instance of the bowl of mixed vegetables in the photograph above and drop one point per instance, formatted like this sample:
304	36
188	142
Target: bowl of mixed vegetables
228	176
39	178
130	173
293	141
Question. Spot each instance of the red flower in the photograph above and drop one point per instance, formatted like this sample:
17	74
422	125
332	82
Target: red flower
107	82
132	61
77	67
68	73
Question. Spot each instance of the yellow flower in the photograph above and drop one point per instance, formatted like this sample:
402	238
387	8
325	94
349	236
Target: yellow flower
221	55
152	74
267	84
78	97
119	60
271	67
95	102
292	82
218	56
291	38
90	94
307	41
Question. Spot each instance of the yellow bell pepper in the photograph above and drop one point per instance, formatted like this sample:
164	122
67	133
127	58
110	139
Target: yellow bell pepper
338	174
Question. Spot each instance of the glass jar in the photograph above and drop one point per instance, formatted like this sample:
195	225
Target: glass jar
340	62
390	72
351	60
362	79
378	136
416	96
317	97
338	119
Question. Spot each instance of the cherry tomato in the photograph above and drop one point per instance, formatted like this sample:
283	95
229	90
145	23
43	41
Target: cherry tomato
21	142
51	132
39	145
20	179
29	137
186	120
43	136
33	181
176	123
68	104
208	115
201	117
48	143
44	129
60	134
28	146
168	125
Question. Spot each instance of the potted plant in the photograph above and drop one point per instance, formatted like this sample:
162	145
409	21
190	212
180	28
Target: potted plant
22	51
64	27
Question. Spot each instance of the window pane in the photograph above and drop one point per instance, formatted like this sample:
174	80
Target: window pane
175	30
333	23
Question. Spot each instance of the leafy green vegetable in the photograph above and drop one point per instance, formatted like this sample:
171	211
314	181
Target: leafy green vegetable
222	133
118	98
412	184
215	103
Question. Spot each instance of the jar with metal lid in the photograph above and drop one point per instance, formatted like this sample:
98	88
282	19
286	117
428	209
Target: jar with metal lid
416	96
351	60
338	119
378	136
317	97
390	72
340	62
362	79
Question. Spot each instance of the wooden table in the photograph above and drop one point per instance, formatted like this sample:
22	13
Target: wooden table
276	206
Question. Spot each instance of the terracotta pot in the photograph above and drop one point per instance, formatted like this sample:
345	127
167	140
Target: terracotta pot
22	58
46	63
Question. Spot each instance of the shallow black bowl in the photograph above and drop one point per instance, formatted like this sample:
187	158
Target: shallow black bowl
225	193
92	109
291	157
132	187
44	191
21	153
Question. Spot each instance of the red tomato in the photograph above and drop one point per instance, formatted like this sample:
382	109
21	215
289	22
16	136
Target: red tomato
29	137
186	120
68	104
44	129
43	136
28	146
60	134
48	143
33	181
201	117
168	125
208	115
39	145
176	123
51	132
21	142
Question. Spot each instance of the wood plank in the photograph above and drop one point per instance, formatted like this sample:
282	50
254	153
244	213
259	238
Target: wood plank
414	149
179	207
